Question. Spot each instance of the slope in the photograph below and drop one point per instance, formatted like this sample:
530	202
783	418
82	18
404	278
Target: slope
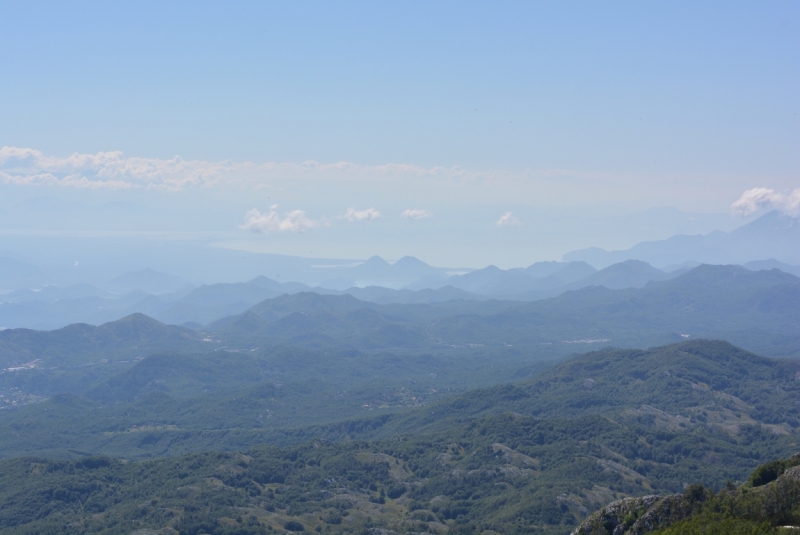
130	337
507	474
756	310
236	401
73	358
692	385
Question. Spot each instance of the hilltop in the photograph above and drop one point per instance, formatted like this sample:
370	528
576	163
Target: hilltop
133	336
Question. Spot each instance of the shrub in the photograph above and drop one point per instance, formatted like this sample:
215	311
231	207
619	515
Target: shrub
293	525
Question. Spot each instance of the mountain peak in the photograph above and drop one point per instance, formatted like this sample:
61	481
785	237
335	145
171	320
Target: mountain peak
137	318
375	260
410	261
137	324
773	221
265	282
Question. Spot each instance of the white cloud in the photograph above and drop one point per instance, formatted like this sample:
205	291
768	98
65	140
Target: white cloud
354	215
25	166
294	221
754	199
346	182
75	181
109	170
416	214
508	220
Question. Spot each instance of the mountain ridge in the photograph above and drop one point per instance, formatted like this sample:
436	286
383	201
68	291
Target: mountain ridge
773	235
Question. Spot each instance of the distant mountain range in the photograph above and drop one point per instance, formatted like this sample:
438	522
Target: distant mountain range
770	242
519	284
54	307
773	235
756	310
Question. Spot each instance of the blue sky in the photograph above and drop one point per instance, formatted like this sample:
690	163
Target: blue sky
575	117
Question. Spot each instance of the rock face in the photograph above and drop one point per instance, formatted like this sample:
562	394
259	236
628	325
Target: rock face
634	516
770	502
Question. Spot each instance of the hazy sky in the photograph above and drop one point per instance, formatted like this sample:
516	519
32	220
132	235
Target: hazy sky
462	133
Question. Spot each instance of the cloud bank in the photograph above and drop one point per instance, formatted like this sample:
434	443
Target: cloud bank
354	215
113	170
106	170
402	183
508	220
415	214
294	221
755	199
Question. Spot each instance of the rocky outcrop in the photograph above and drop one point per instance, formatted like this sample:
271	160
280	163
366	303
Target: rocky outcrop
772	502
636	516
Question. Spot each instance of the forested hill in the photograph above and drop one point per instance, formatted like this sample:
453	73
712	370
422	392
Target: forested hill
757	310
695	385
133	336
507	474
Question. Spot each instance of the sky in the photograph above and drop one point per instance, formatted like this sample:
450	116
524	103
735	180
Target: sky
463	133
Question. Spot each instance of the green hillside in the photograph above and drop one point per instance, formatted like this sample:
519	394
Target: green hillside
168	405
507	473
131	337
759	311
73	359
699	383
235	400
